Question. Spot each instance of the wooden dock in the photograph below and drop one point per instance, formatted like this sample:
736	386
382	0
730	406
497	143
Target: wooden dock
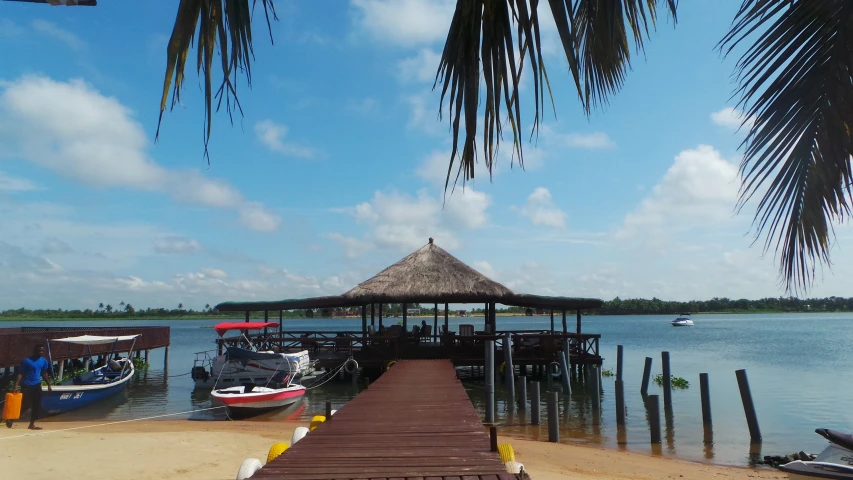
415	422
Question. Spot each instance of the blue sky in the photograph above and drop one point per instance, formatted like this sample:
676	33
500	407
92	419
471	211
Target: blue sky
336	169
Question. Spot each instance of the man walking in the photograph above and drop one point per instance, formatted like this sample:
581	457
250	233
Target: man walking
33	369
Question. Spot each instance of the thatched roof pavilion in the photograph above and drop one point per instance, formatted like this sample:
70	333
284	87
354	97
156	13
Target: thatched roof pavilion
428	275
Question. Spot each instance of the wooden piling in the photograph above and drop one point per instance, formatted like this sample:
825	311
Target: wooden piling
366	383
667	379
619	362
564	368
535	404
166	359
490	381
508	371
647	373
493	438
595	390
653	406
328	411
553	418
748	406
620	403
522	392
705	394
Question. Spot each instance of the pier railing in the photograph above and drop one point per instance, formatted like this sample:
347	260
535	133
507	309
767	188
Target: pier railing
530	347
17	343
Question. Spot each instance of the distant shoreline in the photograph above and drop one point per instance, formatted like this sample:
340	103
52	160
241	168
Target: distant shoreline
120	318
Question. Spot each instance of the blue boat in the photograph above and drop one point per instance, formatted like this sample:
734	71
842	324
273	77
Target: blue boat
91	387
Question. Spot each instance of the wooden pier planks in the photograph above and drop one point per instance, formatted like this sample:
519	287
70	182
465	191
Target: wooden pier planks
415	422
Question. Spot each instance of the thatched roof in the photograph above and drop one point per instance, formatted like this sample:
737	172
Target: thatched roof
428	275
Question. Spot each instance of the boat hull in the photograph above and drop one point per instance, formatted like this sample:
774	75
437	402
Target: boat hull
65	398
799	470
258	401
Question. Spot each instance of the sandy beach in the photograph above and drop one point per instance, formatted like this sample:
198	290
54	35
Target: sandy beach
211	450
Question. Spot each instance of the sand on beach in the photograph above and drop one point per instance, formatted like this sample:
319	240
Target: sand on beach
213	450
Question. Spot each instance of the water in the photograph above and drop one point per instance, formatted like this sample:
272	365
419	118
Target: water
798	365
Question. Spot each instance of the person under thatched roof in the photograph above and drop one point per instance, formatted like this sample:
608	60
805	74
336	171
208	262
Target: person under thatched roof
429	274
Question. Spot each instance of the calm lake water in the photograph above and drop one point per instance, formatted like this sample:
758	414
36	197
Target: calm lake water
799	368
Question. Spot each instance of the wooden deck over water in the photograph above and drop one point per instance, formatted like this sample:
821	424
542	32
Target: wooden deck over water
415	422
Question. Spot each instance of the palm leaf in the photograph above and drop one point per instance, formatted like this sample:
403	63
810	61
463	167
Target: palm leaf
222	27
795	79
500	35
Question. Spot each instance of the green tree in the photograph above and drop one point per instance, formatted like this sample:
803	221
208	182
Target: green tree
129	309
109	309
100	306
794	83
180	306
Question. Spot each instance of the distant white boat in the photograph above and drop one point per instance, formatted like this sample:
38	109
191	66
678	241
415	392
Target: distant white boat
683	321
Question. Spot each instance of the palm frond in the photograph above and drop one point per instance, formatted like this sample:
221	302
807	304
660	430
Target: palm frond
795	83
500	35
223	25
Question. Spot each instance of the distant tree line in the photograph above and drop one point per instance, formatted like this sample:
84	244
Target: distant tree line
617	306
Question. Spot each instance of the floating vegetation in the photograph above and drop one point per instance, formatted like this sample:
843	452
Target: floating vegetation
140	363
607	373
675	382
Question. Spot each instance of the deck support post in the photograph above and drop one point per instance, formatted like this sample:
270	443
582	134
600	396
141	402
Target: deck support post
578	322
405	317
553	418
435	323
619	351
146	356
280	325
373	315
705	394
647	372
380	316
620	403
595	387
490	381
667	380
493	438
364	321
565	358
653	406
328	411
247	316
166	359
522	392
446	320
748	406
535	404
508	370
565	328
552	321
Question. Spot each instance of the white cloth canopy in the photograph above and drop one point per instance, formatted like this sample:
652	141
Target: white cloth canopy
93	339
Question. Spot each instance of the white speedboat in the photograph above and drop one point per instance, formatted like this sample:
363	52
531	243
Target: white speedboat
683	320
238	366
249	400
835	462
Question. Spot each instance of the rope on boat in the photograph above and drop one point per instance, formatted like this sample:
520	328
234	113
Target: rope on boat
332	375
43	432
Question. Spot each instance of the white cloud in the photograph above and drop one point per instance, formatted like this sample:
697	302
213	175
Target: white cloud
255	216
55	246
353	247
11	184
590	141
176	245
541	210
405	22
700	188
731	118
74	130
272	135
214	273
420	68
403	222
59	34
363	106
423	114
